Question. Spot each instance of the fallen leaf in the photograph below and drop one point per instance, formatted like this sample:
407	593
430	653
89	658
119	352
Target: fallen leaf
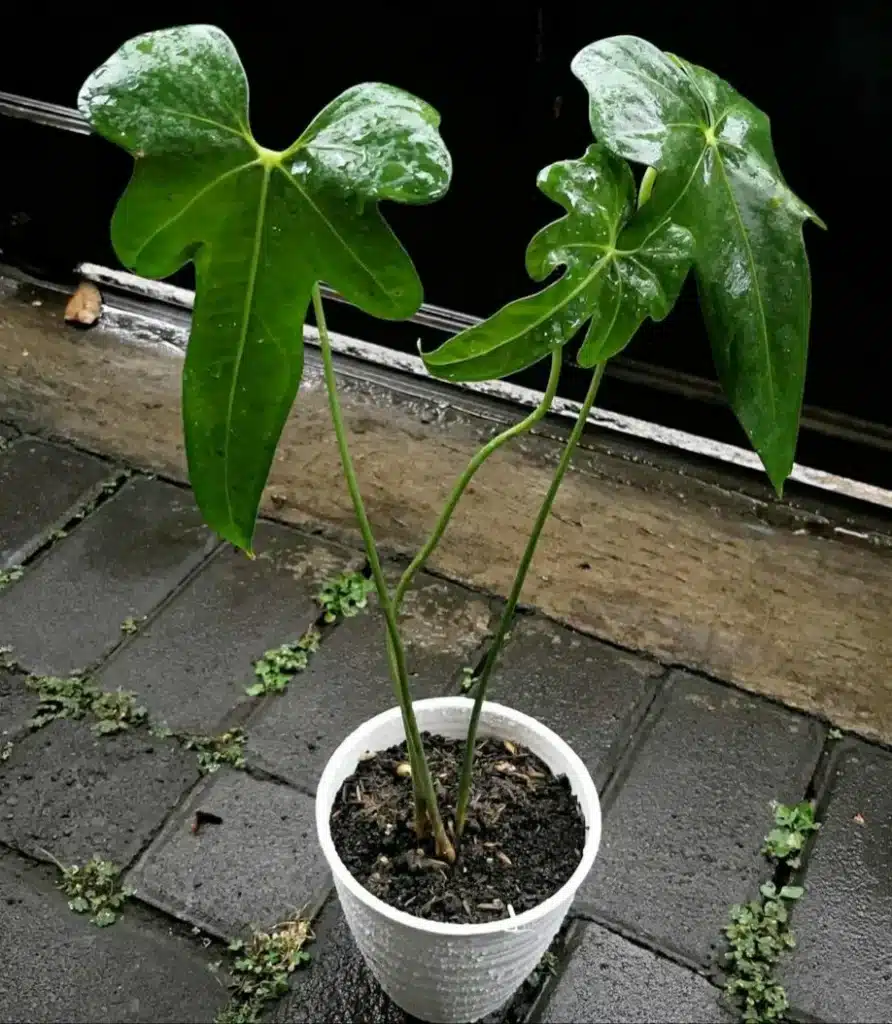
85	306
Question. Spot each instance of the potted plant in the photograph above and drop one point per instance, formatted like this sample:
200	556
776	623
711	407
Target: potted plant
457	830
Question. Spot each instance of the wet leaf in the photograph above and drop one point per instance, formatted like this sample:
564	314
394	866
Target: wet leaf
717	175
792	892
261	227
610	278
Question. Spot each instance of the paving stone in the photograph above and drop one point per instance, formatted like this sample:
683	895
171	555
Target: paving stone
608	980
60	969
120	562
588	692
681	840
842	967
190	665
41	487
259	866
337	987
17	705
348	681
72	793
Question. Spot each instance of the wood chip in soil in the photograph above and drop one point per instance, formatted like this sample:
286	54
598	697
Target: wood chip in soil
523	839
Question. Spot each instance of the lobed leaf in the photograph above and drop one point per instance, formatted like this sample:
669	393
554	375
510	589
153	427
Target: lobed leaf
612	277
262	228
717	176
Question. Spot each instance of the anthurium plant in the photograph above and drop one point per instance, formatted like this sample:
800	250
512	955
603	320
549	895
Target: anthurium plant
265	227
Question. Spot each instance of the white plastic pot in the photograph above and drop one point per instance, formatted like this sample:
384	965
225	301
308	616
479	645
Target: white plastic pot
453	973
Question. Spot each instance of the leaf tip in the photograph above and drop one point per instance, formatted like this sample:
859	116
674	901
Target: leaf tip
778	478
232	533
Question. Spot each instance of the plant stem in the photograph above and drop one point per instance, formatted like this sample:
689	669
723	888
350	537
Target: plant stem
464	788
461	484
421	777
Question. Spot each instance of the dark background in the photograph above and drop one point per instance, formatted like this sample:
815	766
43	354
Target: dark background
499	75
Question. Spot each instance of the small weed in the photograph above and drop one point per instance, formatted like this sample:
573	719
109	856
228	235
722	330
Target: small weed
160	731
344	596
757	936
70	697
130	625
468	679
834	733
7	576
261	969
6	657
94	889
277	667
759	931
59	534
215	751
76	696
117	711
5	751
793	826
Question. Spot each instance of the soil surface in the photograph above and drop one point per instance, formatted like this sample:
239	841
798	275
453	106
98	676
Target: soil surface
523	838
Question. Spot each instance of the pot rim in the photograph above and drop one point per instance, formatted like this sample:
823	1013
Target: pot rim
585	790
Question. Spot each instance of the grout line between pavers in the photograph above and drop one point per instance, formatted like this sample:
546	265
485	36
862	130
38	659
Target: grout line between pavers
575	933
572	939
819	790
214	550
77	513
768	698
586	913
620	765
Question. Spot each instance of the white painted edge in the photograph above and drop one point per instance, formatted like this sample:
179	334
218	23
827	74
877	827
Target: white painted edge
619	423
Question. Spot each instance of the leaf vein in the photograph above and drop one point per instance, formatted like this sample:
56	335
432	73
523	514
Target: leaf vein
209	121
243	333
198	195
335	233
757	289
587	280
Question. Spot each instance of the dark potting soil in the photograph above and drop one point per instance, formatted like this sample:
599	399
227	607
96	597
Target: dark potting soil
523	838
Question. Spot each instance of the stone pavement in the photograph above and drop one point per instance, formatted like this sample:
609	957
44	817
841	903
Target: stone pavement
687	766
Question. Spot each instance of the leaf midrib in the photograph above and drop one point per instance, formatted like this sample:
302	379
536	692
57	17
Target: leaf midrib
715	121
616	308
243	335
763	334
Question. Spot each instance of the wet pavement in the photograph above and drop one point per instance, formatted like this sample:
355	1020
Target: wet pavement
687	766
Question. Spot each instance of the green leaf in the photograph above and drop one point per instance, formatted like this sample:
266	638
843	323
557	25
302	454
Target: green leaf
261	227
717	175
792	892
611	278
